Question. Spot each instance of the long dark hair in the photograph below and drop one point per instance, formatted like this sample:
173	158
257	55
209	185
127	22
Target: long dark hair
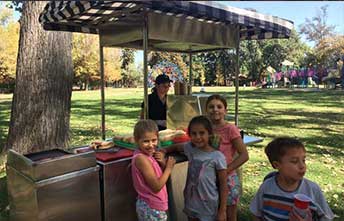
204	121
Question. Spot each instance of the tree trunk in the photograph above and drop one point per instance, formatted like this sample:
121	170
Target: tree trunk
44	77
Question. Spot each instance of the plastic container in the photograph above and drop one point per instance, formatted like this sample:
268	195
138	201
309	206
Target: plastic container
166	143
301	205
123	144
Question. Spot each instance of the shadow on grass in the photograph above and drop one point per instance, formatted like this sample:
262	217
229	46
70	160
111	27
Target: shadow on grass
268	113
4	212
119	108
315	98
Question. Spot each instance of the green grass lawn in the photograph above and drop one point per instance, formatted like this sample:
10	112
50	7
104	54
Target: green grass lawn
316	117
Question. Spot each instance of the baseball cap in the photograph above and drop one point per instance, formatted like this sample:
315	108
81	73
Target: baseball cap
162	78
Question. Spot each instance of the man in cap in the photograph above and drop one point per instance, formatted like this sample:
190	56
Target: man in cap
157	101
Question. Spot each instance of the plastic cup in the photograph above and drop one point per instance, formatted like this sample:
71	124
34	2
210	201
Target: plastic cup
301	201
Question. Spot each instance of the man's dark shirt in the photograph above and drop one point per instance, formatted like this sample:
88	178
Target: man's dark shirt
156	109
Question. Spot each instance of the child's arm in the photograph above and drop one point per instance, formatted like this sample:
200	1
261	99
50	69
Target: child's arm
179	147
160	155
256	205
160	158
146	168
223	193
242	154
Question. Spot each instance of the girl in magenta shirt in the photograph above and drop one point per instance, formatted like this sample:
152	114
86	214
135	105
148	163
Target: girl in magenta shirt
231	143
148	178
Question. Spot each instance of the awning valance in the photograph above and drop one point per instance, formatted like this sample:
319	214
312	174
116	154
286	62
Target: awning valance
126	16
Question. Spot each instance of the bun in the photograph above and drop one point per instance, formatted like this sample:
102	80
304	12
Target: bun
168	134
124	138
101	145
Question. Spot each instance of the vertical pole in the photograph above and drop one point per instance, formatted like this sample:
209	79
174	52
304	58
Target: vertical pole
190	69
145	63
237	70
102	93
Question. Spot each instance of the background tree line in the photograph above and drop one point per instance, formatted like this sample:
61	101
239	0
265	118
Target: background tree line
211	68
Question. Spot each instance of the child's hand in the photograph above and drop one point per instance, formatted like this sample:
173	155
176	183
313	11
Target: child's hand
170	162
159	157
163	150
293	216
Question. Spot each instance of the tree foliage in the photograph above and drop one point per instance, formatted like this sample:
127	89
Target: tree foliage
112	65
9	31
198	71
5	15
256	56
127	59
328	45
330	49
209	63
316	28
251	55
156	57
86	61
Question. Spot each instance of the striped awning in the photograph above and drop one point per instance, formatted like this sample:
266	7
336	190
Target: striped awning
124	18
86	16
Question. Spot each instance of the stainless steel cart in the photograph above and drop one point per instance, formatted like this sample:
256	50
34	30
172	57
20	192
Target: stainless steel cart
117	191
119	196
53	185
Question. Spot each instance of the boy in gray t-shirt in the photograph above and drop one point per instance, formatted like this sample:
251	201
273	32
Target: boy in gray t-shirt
275	197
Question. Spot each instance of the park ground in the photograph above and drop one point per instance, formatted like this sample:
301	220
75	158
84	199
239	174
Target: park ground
315	116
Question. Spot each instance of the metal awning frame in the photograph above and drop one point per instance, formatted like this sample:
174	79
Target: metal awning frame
173	26
145	43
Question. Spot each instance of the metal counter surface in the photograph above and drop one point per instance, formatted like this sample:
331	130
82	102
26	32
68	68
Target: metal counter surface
44	169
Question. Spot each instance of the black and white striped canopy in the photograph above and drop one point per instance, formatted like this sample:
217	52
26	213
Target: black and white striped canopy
92	16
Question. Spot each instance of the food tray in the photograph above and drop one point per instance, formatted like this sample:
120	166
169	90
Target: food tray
123	144
132	146
166	143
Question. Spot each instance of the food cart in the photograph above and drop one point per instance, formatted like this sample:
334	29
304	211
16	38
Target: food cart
173	26
53	185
